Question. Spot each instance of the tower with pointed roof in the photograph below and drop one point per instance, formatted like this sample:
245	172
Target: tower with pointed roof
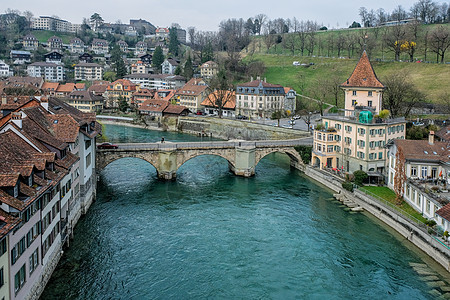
363	89
357	139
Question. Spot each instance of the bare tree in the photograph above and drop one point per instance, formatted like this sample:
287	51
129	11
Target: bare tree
440	42
400	95
302	34
261	18
340	43
289	42
221	90
394	38
191	34
363	15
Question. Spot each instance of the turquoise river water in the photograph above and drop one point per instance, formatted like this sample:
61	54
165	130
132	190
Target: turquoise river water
210	234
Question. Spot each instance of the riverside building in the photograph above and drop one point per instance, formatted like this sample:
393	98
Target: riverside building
356	139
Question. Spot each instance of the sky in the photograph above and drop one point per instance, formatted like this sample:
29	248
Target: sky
203	14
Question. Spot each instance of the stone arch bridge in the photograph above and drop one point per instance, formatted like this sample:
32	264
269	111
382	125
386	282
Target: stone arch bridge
242	156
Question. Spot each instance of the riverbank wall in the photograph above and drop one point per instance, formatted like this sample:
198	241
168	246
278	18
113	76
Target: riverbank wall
225	129
410	230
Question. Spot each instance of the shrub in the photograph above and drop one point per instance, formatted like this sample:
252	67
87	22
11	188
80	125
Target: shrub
319	127
430	223
348	186
305	153
360	176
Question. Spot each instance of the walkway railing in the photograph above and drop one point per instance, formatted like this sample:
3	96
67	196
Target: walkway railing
213	145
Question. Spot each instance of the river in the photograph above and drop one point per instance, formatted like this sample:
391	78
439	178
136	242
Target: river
210	234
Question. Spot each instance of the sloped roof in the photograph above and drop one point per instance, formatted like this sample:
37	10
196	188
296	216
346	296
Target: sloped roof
444	133
192	90
363	75
154	105
422	150
228	96
256	83
444	212
175	109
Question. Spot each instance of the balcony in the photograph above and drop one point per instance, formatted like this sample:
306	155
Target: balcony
437	189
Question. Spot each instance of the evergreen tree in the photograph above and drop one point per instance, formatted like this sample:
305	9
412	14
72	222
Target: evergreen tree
158	58
188	72
118	63
173	41
178	70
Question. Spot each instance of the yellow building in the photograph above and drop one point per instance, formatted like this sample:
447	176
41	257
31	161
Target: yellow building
209	69
120	89
356	140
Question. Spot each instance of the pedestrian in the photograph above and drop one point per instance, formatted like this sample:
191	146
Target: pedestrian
162	140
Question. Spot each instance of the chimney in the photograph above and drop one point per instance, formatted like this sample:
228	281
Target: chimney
265	79
44	103
16	118
258	77
251	78
4	101
431	138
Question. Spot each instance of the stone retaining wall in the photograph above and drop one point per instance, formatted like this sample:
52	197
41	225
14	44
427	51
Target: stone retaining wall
233	129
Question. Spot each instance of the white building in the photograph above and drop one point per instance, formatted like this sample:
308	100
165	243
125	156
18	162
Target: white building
88	71
49	71
169	66
5	70
157	81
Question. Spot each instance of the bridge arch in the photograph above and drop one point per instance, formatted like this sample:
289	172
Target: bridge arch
104	160
293	155
184	157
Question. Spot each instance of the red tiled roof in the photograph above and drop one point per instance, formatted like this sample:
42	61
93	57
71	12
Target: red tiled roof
444	133
66	88
444	212
422	150
154	105
65	128
256	83
363	75
191	90
9	179
50	86
229	97
175	109
10	223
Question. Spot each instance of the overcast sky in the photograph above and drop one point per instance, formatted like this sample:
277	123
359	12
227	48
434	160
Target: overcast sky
204	14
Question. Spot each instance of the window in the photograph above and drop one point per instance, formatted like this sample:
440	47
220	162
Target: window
34	261
380	155
369	94
353	102
330	137
369	103
424	172
428	206
354	93
413	171
88	160
19	279
329	148
434	172
2	278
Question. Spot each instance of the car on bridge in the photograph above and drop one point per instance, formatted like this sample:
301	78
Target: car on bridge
107	146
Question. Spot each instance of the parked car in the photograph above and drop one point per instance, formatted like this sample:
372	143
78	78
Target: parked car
199	113
107	146
241	117
292	122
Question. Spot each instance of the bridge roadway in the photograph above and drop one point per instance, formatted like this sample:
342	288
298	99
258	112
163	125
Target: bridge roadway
167	157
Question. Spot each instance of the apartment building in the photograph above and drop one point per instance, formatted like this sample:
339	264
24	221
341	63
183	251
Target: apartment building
88	71
356	140
49	71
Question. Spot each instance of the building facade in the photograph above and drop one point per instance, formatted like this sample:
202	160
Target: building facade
88	71
357	140
49	71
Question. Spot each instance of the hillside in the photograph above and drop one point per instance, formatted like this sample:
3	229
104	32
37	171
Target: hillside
44	35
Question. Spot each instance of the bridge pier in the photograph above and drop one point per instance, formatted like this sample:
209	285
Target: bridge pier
245	162
167	165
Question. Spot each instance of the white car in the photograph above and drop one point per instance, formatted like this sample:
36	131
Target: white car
296	63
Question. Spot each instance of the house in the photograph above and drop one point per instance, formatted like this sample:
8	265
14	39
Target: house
100	46
20	57
141	48
140	68
162	32
47	169
64	90
192	96
76	46
162	108
227	100
290	100
54	43
443	134
426	166
169	66
209	69
86	58
356	140
88	71
123	46
145	58
85	101
120	89
49	71
50	88
24	82
157	81
9	103
30	42
53	57
5	69
143	95
259	98
99	88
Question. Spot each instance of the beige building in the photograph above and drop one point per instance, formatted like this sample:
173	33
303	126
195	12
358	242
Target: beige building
209	69
259	98
192	95
85	101
357	140
30	42
140	68
100	46
88	71
120	89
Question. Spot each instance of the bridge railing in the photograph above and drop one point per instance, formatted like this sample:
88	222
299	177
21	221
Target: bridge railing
214	144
